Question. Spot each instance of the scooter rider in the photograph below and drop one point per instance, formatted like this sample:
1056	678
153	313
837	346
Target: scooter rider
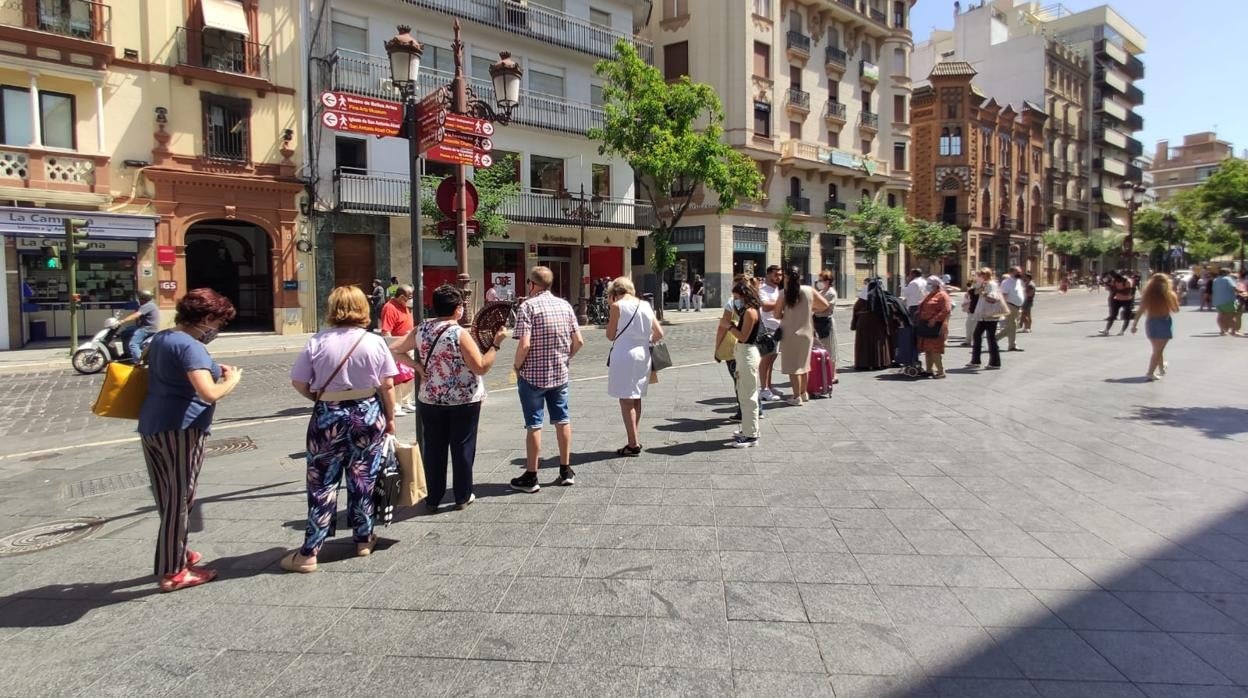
146	320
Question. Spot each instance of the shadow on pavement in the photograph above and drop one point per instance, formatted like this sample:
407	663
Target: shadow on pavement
285	412
684	425
1128	380
1214	422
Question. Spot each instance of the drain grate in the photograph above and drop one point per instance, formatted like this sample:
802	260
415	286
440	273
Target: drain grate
48	535
225	447
104	485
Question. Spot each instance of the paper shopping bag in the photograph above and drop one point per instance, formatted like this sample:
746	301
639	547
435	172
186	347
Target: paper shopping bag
412	487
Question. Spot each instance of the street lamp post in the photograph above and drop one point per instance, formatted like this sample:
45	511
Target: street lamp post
458	98
585	210
405	52
1133	195
1171	224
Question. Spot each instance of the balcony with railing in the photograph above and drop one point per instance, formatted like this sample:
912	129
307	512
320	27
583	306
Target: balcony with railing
381	193
797	44
541	23
80	26
1134	95
834	112
799	204
869	121
1112	79
797	102
877	16
1135	68
221	52
1134	147
833	205
1134	121
50	170
835	59
868	71
363	74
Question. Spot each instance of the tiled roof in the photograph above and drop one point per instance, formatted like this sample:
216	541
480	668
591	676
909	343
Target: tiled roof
949	68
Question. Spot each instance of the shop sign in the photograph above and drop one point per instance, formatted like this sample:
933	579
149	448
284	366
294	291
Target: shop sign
548	237
46	221
39	242
168	285
165	255
290	285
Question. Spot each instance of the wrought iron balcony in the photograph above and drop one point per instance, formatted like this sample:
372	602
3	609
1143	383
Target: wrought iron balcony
878	16
869	120
363	74
834	111
80	19
213	49
382	193
835	56
797	42
800	204
541	23
798	99
833	205
851	4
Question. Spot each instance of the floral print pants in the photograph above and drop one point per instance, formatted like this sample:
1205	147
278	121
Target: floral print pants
343	437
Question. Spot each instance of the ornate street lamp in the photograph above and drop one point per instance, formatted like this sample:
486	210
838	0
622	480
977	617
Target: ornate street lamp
505	74
1133	195
405	52
1171	224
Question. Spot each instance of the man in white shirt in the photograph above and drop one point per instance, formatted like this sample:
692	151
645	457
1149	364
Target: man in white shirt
1012	290
913	293
769	294
915	290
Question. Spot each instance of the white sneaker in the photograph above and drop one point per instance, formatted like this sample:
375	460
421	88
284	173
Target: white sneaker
1164	366
410	406
765	394
743	443
398	411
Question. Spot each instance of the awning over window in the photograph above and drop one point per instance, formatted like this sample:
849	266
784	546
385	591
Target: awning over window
226	15
1119	223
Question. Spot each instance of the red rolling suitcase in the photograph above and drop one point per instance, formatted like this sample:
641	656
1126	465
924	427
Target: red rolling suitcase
822	373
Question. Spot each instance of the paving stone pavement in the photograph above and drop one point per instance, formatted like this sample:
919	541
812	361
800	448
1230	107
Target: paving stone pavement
1058	528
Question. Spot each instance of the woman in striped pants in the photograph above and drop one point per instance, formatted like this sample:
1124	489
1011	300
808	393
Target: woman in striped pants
184	385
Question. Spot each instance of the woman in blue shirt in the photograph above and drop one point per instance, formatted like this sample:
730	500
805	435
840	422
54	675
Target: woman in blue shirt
184	385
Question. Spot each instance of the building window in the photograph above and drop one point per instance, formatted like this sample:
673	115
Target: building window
351	153
834	139
346	34
762	119
866	100
595	96
944	142
675	8
955	142
546	83
437	58
545	173
866	147
600	17
795	130
899	157
900	115
675	61
762	60
601	180
899	15
479	67
501	156
867	53
762	8
899	62
226	133
834	90
892	201
56	118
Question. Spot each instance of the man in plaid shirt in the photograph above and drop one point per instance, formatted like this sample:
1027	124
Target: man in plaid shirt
549	338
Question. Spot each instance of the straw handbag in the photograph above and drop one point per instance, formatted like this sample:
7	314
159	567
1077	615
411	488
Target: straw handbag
123	392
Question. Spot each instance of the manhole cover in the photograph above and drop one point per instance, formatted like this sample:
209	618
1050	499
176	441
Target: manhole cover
224	447
48	535
104	485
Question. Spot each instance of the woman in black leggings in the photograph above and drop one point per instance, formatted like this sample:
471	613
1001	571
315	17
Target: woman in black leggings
1121	302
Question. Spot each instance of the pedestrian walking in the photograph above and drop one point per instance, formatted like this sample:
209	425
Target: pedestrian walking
396	322
872	323
748	308
1064	285
376	301
451	366
1225	299
699	292
1029	302
632	328
769	296
183	388
1158	303
1205	285
932	326
548	339
348	373
796	314
1121	301
969	303
686	296
1014	293
988	312
825	322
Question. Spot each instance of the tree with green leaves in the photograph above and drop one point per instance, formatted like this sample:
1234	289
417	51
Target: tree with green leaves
791	234
671	134
932	240
496	185
1226	190
872	227
1065	243
1098	244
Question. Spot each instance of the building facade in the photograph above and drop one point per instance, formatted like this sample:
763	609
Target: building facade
1081	67
1181	167
169	127
360	184
979	165
817	93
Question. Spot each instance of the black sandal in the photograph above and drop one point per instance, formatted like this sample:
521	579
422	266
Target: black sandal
629	451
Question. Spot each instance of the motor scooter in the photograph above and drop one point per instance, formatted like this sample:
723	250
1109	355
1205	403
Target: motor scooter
108	345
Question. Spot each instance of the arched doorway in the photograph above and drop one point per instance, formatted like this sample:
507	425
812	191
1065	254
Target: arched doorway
233	259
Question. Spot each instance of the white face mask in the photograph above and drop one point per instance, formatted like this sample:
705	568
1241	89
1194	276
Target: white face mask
410	302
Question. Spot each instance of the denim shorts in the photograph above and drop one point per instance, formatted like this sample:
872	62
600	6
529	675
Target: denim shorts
533	401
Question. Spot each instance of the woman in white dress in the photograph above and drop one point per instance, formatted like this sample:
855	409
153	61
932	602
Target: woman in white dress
633	328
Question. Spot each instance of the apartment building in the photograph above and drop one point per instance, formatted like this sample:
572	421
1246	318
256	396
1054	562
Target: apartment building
978	164
1180	167
361	184
1082	68
169	128
817	93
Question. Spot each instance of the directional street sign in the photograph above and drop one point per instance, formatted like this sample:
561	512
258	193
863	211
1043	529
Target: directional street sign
470	125
348	103
459	140
455	155
431	136
359	123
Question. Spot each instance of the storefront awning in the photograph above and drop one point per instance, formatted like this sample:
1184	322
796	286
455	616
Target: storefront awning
226	15
17	222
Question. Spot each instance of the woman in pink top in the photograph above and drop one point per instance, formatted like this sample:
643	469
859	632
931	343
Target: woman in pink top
349	373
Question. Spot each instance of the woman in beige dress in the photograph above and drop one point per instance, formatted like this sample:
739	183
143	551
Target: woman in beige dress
797	328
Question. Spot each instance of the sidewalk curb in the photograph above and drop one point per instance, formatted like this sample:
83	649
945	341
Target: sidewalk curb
64	363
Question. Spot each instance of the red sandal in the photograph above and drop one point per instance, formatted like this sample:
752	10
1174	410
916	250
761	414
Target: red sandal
193	558
189	577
